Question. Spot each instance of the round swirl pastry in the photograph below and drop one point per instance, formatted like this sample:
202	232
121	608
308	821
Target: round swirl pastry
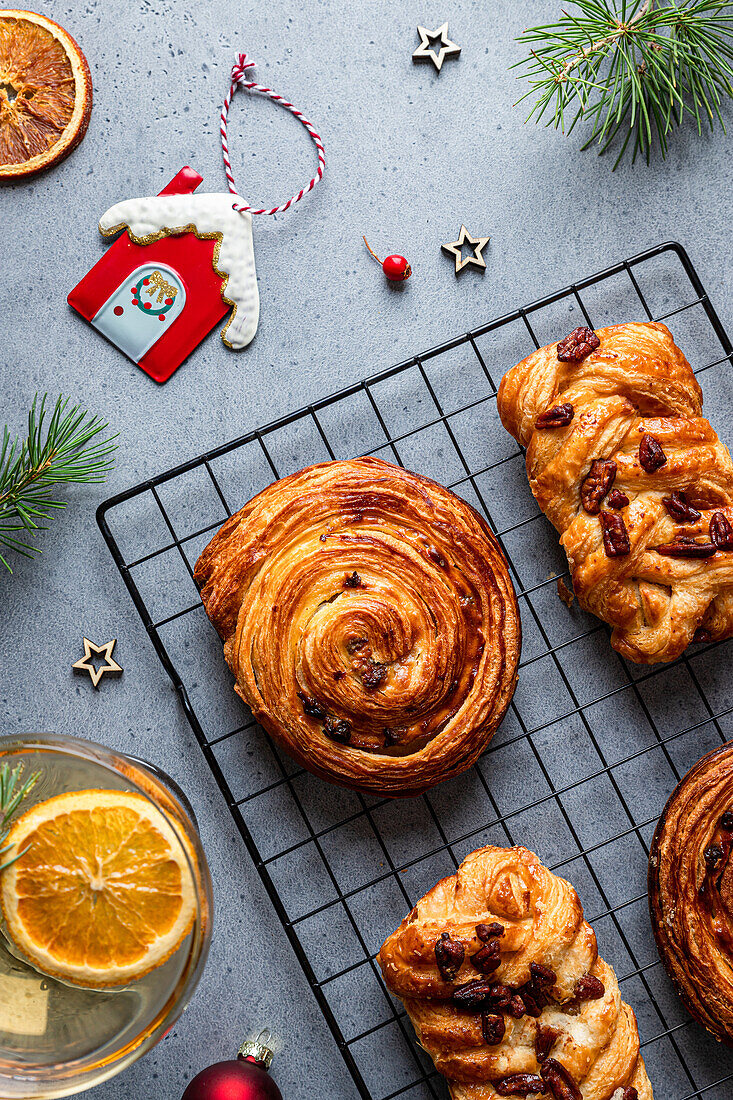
369	620
635	480
691	891
501	978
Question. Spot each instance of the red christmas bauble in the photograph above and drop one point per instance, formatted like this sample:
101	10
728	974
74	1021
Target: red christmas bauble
239	1079
396	268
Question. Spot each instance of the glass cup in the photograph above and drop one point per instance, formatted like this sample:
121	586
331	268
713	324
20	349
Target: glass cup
57	1038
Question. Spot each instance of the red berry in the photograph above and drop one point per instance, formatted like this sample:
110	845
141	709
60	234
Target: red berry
396	268
148	305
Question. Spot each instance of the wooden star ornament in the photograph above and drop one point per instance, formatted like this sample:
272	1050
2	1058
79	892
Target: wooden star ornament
86	663
426	51
455	249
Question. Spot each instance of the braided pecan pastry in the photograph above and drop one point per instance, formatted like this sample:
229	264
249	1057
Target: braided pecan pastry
369	620
691	891
501	978
635	480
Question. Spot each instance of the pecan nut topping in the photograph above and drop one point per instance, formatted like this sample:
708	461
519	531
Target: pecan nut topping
686	548
713	856
516	1007
556	417
353	580
449	955
542	974
492	1028
562	1086
726	821
521	1084
589	988
630	1093
544	1041
488	959
679	509
617	499
500	996
651	455
489	931
721	531
472	995
578	345
615	536
596	484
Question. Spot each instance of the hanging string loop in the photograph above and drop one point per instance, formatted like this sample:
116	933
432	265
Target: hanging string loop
239	71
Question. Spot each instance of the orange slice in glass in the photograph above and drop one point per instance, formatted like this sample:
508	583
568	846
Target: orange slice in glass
102	892
45	93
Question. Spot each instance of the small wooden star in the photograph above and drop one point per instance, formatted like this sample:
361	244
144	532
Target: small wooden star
86	663
426	52
455	248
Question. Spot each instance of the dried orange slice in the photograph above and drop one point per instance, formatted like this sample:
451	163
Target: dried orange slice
45	93
102	892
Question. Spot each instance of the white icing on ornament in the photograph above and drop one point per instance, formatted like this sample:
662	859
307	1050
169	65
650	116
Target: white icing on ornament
206	214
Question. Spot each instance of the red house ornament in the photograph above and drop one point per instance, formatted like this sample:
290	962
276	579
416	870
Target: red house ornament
182	261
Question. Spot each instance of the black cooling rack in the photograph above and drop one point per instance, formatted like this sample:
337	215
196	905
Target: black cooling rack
589	751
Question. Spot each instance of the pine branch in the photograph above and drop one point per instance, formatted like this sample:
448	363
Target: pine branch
12	793
632	69
66	448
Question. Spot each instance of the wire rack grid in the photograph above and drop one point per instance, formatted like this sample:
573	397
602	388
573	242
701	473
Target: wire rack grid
588	753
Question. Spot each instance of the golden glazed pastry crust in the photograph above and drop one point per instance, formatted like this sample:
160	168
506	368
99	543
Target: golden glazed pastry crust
636	384
546	948
691	896
369	620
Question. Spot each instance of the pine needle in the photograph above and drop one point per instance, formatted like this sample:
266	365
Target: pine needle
12	793
632	70
61	449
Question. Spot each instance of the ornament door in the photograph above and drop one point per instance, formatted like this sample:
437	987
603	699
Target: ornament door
141	309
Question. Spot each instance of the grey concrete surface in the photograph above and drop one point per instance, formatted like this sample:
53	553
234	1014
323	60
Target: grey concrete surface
410	156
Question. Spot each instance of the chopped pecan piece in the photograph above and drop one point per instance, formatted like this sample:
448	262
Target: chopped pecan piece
630	1093
596	484
488	959
337	729
579	344
713	856
489	931
556	417
617	499
726	821
721	531
521	1084
679	509
542	974
355	644
686	548
472	995
544	1041
651	455
449	955
615	536
561	1083
516	1007
353	581
374	675
492	1028
500	996
589	988
311	708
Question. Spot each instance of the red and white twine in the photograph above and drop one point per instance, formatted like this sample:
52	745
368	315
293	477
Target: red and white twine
238	71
